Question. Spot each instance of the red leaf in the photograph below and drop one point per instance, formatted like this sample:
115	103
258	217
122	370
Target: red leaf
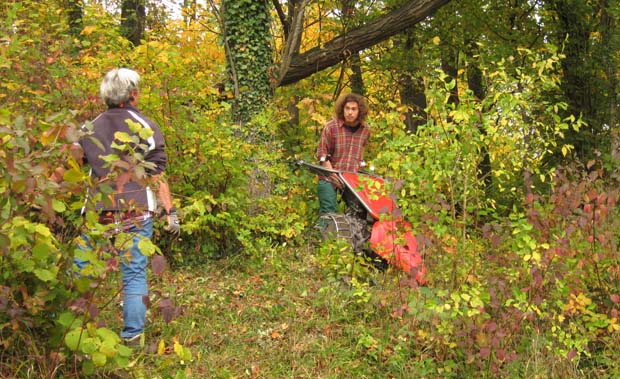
491	326
615	298
111	264
484	352
93	310
158	264
167	310
146	300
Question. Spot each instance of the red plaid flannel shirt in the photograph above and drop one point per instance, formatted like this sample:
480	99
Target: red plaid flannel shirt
342	147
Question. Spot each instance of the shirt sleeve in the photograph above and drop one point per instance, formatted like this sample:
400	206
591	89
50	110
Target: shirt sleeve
325	146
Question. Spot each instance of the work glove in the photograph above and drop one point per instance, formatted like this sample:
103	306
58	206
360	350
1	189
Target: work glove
336	181
173	225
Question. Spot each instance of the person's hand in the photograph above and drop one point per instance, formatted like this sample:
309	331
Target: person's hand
173	225
335	179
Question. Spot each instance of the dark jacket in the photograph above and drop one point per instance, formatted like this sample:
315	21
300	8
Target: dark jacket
134	194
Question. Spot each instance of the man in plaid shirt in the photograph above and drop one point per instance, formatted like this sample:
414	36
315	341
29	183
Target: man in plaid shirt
341	146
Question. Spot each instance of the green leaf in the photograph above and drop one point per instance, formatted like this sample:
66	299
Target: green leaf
89	344
99	359
146	133
45	275
97	143
74	176
147	247
110	158
123	137
58	206
108	348
40	251
124	351
108	335
23	264
68	319
72	339
121	360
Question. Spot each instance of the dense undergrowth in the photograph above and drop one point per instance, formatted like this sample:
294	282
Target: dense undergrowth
523	274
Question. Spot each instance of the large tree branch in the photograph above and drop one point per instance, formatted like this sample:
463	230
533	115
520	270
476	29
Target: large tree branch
331	53
294	39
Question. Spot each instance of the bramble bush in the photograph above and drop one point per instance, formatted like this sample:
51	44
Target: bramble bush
520	273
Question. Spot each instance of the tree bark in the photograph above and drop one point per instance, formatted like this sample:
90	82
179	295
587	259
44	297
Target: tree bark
356	78
331	53
75	13
293	26
133	20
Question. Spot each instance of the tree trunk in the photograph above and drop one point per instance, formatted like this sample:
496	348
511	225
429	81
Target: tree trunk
356	81
248	51
341	47
133	20
590	70
74	10
356	78
411	88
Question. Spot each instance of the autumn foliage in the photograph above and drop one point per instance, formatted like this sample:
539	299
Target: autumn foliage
523	272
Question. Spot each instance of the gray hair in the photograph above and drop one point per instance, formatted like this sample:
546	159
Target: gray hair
117	85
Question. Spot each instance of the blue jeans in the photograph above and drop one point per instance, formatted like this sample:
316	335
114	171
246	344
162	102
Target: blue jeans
135	286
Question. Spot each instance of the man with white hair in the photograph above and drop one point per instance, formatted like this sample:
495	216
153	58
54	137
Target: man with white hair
125	151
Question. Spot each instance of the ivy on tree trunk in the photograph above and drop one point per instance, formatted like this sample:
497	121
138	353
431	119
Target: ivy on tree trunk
248	52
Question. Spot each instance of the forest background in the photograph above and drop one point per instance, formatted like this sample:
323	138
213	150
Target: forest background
497	120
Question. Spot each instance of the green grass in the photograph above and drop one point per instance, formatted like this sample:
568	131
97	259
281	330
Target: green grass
299	314
286	316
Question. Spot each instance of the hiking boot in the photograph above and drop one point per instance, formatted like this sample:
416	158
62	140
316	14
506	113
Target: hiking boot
135	341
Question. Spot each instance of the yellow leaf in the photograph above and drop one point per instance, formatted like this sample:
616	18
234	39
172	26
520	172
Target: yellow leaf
178	348
88	30
161	347
52	134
